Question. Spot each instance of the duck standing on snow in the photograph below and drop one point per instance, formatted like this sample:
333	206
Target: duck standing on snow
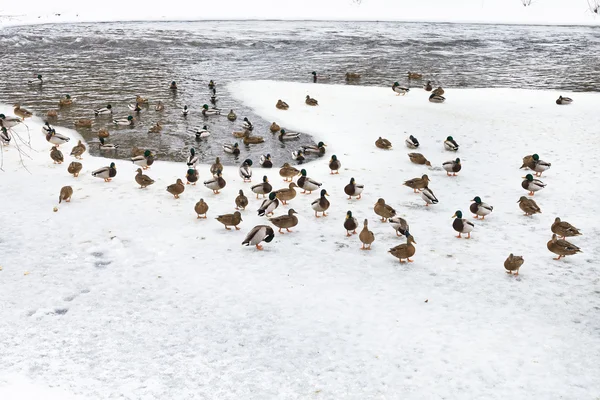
383	143
317	77
353	189
366	236
274	128
564	229
418	158
265	161
107	146
125	121
185	111
285	221
318	149
143	180
411	142
5	136
399	90
21	112
405	250
268	205
453	166
531	184
350	224
212	111
201	208
285	135
245	170
103	110
307	184
262	188
56	155
462	225
78	150
434	98
286	194
538	165
230	220
311	101
232	149
56	138
513	263
417	183
383	210
65	194
529	206
287	172
282	105
191	176
321	205
400	225
241	201
231	116
561	247
479	208
563	100
145	160
258	234
106	173
216	183
450	144
192	160
37	81
176	189
217	166
428	196
334	165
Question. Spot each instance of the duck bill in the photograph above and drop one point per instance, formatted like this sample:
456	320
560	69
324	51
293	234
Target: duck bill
454	216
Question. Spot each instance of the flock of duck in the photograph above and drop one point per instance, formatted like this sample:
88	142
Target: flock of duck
144	159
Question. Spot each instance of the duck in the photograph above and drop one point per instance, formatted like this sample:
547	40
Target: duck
212	84
9	122
529	206
263	188
350	224
65	101
230	220
383	210
52	114
531	184
193	159
216	183
56	138
538	165
156	128
282	105
450	144
21	112
318	149
136	151
210	111
439	91
274	128
352	76
103	110
561	247
411	142
285	221
216	166
366	236
258	234
404	251
56	155
285	135
77	151
191	176
298	155
201	208
287	172
462	225
232	149
286	194
268	205
140	100
307	184
245	170
240	134
414	75
311	101
135	107
428	87
83	123
564	229
103	133
435	98
400	225
252	140
5	137
176	189
265	161
417	183
528	162
428	196
317	77
37	81
143	180
383	143
74	168
173	85
106	173
107	146
247	125
334	165
513	263
479	208
453	166
418	158
321	205
47	128
125	121
65	194
185	111
159	106
399	90
231	116
353	189
241	201
200	132
563	100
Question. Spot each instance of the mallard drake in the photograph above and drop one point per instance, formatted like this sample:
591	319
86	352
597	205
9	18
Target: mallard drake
513	263
241	201
185	111
285	221
217	166
159	106
56	155
462	225
282	105
450	144
453	166
307	184
258	234
318	149
321	204
350	224
176	189
37	81
245	170
107	146
383	210
65	101
479	208
57	138
352	76
231	116
399	90
9	122
414	75
125	121
78	150
353	189
200	132
83	123
400	225
311	101
143	180
285	135
232	149
418	158
65	194
561	247
334	165
135	107
404	251
286	194
531	184
438	92
74	168
428	196
210	111
191	176
21	112
140	100
428	87
52	114
252	140
103	133
317	77
47	128
247	125
383	143
230	220
4	136
564	229
265	161
287	171
537	165
192	160
268	205
201	208
411	142
156	128
563	100
434	98
212	84
216	183
262	188
417	183
298	155
366	236
106	173
274	128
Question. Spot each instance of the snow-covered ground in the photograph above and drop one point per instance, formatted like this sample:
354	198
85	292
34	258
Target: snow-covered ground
123	293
